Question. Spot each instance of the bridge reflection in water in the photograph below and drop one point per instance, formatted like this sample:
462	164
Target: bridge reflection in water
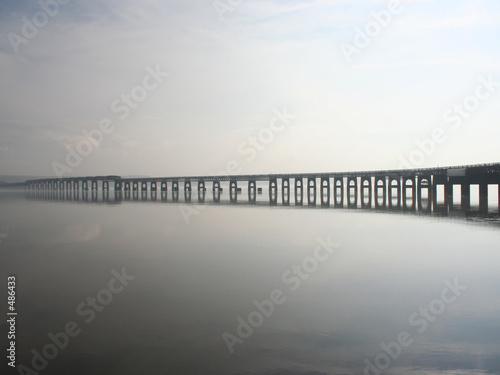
374	195
407	189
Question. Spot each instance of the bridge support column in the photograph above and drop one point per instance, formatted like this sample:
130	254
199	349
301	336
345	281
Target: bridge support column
299	191
163	186
395	183
338	191
216	191
285	191
352	192
483	196
144	186
366	190
273	192
448	193
154	186
135	185
311	191
409	183
325	191
252	191
233	191
175	185
105	185
465	198
380	191
85	185
201	191
118	186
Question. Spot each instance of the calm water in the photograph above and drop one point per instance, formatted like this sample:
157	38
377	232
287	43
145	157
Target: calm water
340	291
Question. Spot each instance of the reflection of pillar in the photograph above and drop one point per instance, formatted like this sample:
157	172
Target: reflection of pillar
465	192
338	191
366	188
273	191
299	191
448	192
380	188
252	191
216	191
233	191
352	192
325	191
311	191
483	196
187	194
285	191
413	189
395	183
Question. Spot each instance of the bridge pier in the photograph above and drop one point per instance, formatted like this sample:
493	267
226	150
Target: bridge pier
394	183
252	191
216	190
338	192
424	182
311	191
352	192
366	189
483	196
409	183
285	191
105	185
465	195
325	191
233	191
273	191
175	185
163	186
380	187
153	186
299	191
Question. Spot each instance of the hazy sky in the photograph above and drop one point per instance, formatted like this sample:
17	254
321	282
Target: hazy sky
351	101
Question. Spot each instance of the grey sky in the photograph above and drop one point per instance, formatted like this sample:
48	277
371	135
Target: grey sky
230	72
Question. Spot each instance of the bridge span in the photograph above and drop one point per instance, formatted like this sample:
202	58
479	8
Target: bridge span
395	188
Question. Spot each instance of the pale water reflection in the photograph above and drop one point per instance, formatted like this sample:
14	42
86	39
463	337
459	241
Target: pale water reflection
386	285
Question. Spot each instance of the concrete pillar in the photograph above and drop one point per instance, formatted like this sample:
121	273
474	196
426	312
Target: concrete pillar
153	186
299	191
483	196
233	191
252	191
380	191
338	191
144	186
175	185
273	192
366	189
352	192
163	186
135	186
311	191
465	195
395	183
105	185
325	191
